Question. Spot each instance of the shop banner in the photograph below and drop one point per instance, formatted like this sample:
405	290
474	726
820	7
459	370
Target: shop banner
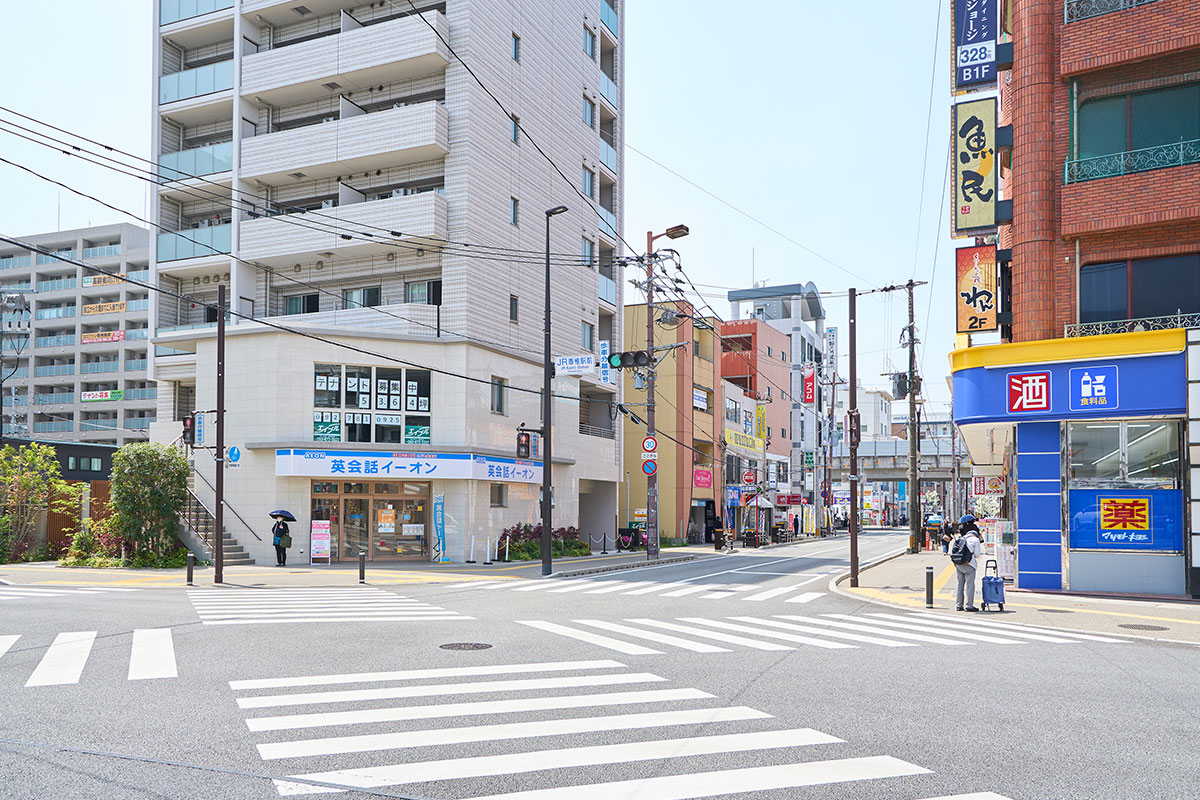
974	53
103	308
975	297
975	191
317	463
760	421
702	478
700	399
981	485
810	384
106	394
101	336
739	439
831	345
1126	519
439	526
103	280
319	540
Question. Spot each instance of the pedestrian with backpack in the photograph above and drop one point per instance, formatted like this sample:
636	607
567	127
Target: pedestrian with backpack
964	554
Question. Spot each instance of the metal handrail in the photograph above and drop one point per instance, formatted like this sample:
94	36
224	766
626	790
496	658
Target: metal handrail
1166	323
226	503
1075	10
1162	156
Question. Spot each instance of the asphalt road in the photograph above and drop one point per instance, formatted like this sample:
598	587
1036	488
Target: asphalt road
732	676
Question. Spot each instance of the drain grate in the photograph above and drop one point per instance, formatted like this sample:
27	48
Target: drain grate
464	646
1057	610
1141	626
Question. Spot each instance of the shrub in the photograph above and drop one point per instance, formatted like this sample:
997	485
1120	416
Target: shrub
524	542
149	488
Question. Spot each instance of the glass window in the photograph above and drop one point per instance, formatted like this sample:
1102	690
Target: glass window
512	307
389	390
516	47
1116	454
514	211
589	183
416	396
587	335
71	462
388	429
417	292
358	388
1166	286
1152	453
499	395
327	384
367	297
589	113
499	495
358	427
1102	292
587	252
1102	127
387	488
417	430
325	488
589	42
356	488
515	131
1165	116
301	304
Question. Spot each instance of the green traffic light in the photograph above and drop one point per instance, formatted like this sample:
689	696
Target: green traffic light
614	361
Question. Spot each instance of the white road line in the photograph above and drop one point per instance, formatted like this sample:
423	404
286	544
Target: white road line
616	586
854	637
972	796
574	588
30	594
908	626
533	586
115	589
64	660
767	595
821	576
294	591
750	567
152	655
591	638
7	642
326	612
372	742
720	637
787	637
473	584
806	597
516	763
427	690
509	584
323	719
717	595
654	636
692	589
324	619
957	625
420	674
1004	626
729	781
874	630
658	587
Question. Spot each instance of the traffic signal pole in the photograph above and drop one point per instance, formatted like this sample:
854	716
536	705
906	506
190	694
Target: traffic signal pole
651	480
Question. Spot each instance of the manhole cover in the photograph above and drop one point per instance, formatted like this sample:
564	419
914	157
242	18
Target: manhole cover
464	646
1140	626
1057	610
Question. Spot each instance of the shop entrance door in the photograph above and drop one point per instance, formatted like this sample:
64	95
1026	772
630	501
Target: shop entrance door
355	527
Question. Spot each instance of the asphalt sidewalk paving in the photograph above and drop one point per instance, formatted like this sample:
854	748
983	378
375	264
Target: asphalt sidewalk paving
900	582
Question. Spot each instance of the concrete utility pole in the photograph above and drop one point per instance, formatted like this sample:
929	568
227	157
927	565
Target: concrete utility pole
854	436
914	450
219	484
547	543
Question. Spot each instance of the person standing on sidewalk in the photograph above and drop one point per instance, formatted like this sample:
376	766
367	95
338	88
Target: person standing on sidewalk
282	539
965	556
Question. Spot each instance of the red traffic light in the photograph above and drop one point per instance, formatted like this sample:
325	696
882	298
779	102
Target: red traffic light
189	429
524	441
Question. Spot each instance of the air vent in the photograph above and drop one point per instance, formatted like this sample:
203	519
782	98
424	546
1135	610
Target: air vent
333	86
302	10
297	175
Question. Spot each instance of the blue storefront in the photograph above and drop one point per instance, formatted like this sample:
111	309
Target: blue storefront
1091	437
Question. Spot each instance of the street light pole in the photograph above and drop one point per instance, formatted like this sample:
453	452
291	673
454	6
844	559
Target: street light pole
547	415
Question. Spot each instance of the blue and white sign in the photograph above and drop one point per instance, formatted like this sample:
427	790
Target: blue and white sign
575	365
605	370
200	427
439	525
410	466
1160	531
235	454
1094	388
733	495
974	42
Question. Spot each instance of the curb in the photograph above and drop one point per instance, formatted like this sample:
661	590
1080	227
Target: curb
662	562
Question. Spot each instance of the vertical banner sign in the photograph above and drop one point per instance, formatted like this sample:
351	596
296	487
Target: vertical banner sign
810	384
760	421
831	344
318	543
605	370
975	289
974	23
439	526
974	167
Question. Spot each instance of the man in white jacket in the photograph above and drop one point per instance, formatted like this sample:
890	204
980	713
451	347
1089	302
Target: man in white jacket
965	555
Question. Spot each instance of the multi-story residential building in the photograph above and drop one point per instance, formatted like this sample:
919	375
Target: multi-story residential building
356	182
1085	413
74	364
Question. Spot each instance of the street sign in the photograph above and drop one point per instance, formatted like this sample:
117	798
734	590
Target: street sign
575	365
748	477
649	456
234	457
649	444
649	467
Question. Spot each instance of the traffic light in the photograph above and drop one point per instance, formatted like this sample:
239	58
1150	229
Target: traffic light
189	430
627	360
524	442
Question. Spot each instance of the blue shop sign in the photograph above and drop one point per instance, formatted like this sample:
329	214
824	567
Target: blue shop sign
1128	387
1126	519
733	495
974	42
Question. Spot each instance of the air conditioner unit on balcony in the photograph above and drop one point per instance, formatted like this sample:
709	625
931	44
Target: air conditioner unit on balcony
397	193
329	119
328	204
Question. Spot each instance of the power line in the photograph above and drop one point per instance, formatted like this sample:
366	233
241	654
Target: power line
928	126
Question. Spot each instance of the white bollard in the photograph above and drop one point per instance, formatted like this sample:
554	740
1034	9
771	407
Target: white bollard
487	551
471	560
506	541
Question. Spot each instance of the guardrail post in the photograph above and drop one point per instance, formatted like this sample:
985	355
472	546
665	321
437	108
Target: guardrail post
929	587
191	564
471	560
604	543
362	566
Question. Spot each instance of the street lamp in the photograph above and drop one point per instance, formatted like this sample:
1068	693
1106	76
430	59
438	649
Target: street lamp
547	410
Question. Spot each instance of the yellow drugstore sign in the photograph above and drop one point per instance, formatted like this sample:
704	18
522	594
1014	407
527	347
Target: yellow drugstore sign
1124	514
739	439
104	308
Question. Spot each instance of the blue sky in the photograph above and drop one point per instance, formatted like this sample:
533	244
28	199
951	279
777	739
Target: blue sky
810	117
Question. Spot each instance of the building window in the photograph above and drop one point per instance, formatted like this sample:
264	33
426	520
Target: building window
783	433
514	211
515	128
1114	455
1139	120
423	293
327	385
301	304
512	307
589	113
768	391
732	410
589	42
768	431
516	47
71	462
587	252
1149	287
587	336
499	395
367	297
498	495
588	184
768	351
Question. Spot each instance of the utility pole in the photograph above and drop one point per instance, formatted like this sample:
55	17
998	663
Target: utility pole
547	543
914	450
953	466
651	372
853	433
219	484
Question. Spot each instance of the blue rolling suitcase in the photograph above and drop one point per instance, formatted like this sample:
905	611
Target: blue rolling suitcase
993	586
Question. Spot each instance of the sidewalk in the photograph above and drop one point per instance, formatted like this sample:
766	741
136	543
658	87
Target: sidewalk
901	582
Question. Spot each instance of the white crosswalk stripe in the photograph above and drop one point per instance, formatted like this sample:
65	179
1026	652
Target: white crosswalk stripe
10	592
151	656
683	588
304	604
575	727
64	660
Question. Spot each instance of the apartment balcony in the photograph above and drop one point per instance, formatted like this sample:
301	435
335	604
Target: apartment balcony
608	15
141	394
608	223
11	262
1076	10
1126	190
195	243
53	370
59	312
608	156
608	89
97	367
276	241
209	79
64	340
53	398
608	290
53	427
170	11
1102	34
107	251
390	51
1176	154
185	164
1171	322
135	365
362	143
139	423
58	285
98	425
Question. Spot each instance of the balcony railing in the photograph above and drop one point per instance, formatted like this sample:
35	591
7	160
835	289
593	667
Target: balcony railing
137	333
102	252
195	242
141	394
184	164
90	367
135	365
53	398
8	262
1144	160
174	10
608	15
54	286
52	370
45	259
1169	322
608	222
62	340
53	427
1075	10
58	312
138	423
608	88
195	82
139	275
98	425
608	155
608	289
138	305
592	430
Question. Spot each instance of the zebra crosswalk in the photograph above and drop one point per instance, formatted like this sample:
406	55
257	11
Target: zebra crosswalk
151	655
216	606
543	730
792	631
10	592
792	593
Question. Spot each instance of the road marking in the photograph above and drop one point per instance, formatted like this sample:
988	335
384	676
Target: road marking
510	583
372	742
533	586
1004	627
972	796
328	612
692	589
720	637
616	586
419	674
64	660
514	763
428	690
767	595
323	719
730	781
658	587
806	597
873	630
787	637
7	642
575	588
152	655
448	615
960	625
654	636
591	638
909	626
854	637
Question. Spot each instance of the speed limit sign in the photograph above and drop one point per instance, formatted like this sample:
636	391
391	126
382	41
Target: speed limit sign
649	444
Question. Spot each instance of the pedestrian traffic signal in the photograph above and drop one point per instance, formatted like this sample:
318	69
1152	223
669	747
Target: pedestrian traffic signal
189	430
632	358
524	442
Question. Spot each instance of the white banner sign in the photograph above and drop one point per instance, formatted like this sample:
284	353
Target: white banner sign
575	365
411	466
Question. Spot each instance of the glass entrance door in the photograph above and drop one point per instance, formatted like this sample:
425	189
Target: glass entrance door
355	527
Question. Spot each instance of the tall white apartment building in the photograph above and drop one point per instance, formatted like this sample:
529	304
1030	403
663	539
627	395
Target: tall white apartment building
353	180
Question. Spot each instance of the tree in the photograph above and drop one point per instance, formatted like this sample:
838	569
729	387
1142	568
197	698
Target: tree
30	479
149	488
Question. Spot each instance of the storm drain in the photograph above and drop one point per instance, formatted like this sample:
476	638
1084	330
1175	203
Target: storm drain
1141	626
464	646
1057	610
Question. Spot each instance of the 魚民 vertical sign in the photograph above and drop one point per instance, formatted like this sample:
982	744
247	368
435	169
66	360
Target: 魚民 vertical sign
974	45
975	289
975	189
